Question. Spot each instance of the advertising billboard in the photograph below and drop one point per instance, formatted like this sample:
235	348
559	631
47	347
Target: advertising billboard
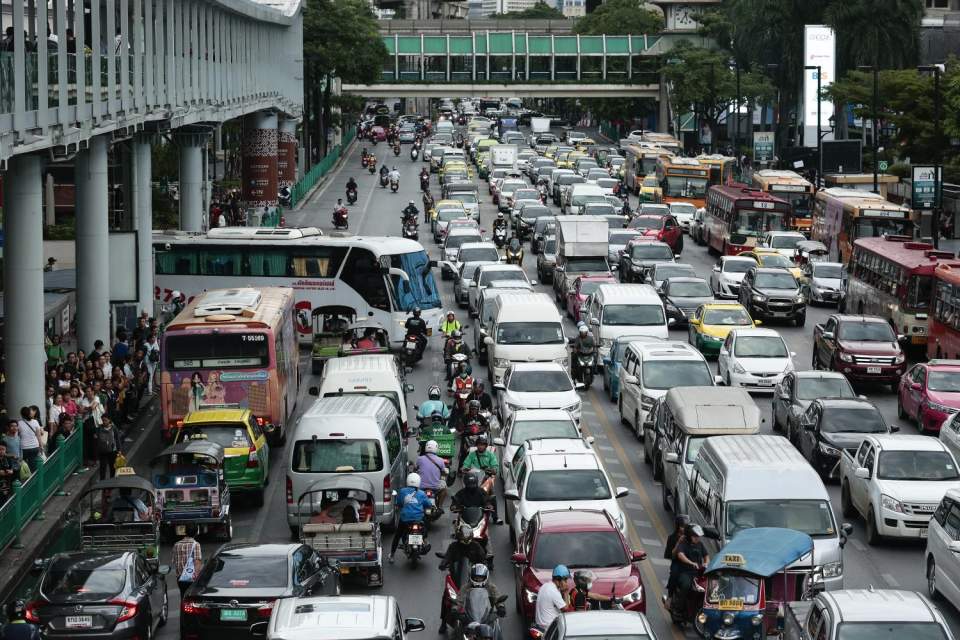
819	50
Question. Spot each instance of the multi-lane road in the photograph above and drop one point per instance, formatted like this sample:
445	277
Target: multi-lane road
377	212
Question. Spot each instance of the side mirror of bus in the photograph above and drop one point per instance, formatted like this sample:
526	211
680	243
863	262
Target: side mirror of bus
314	391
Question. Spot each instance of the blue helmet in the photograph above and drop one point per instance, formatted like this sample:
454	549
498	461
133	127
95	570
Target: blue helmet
561	571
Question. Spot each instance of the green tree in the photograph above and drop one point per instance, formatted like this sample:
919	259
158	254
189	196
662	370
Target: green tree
884	33
703	79
540	11
620	17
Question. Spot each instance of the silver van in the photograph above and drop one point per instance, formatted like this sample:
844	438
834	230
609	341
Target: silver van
689	416
742	482
339	617
347	434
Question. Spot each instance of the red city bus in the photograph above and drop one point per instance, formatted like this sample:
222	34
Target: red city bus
944	323
738	216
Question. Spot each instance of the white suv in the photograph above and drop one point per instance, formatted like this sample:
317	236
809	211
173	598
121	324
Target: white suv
942	556
649	369
755	359
534	424
538	385
558	474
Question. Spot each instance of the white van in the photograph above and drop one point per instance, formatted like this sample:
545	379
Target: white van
338	617
372	375
616	310
353	435
526	327
580	194
485	311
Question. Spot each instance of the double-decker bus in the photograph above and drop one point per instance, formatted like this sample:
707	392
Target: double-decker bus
232	348
737	216
721	167
792	187
640	160
944	324
381	279
841	216
892	277
683	180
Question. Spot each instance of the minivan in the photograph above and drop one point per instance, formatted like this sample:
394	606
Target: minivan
351	435
367	375
486	309
581	194
741	482
625	309
526	327
688	416
337	617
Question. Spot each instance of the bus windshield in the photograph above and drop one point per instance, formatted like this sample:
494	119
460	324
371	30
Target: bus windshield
206	350
756	223
421	289
802	203
684	187
876	227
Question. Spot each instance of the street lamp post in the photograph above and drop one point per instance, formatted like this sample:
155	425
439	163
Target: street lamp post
938	149
736	116
776	116
874	137
817	68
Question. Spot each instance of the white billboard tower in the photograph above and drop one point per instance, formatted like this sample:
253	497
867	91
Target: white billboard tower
819	50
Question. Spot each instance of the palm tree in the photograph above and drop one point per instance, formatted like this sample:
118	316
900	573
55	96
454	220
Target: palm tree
883	33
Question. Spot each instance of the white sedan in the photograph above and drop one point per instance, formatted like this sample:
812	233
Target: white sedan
538	385
728	274
754	359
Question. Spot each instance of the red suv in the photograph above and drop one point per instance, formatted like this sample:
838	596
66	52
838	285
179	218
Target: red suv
663	228
863	348
930	393
579	539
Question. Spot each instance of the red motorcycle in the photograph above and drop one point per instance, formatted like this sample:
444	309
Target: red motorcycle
685	611
462	392
477	519
340	218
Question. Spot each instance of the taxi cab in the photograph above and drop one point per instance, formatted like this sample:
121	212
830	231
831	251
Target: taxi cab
710	324
244	442
583	143
773	258
458	166
569	160
650	190
443	212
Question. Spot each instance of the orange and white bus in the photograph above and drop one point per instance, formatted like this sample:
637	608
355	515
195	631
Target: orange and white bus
792	187
721	167
640	160
232	348
683	180
841	216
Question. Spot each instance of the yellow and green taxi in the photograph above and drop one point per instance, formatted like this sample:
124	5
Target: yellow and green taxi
483	146
650	190
455	166
444	211
711	323
583	143
244	442
773	258
483	170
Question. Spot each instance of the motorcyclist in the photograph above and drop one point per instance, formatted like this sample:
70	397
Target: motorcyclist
455	344
500	222
581	598
411	212
394	175
693	558
669	553
481	396
424	179
412	502
433	472
553	598
433	405
17	627
483	458
449	324
584	345
384	171
471	495
480	579
464	548
417	327
351	185
340	208
514	245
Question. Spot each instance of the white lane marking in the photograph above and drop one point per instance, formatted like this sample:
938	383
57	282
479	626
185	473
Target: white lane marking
651	542
859	546
890	580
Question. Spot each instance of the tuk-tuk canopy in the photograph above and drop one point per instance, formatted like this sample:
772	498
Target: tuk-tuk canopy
342	482
334	310
203	448
124	482
811	246
762	551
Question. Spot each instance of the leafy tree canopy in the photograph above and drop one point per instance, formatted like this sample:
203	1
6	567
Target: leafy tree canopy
540	11
341	37
620	17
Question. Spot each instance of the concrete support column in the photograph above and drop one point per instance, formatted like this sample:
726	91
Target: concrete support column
287	154
258	156
191	181
23	284
49	201
143	220
663	111
93	245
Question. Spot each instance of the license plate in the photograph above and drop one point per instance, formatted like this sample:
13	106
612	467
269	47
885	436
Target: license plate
733	604
79	622
233	615
874	369
344	570
411	344
918	339
923	533
415	538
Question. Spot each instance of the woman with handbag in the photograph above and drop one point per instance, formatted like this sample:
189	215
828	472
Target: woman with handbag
30	434
187	560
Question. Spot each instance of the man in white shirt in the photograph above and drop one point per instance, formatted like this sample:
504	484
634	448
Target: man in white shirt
552	598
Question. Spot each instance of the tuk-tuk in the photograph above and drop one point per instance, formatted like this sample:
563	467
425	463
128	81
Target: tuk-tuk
337	517
329	325
807	251
365	337
192	489
751	579
121	514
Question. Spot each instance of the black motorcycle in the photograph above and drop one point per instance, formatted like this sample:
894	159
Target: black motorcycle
351	196
384	180
411	231
415	542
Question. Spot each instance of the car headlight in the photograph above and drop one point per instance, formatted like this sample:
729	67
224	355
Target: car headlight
634	596
934	406
900	358
647	401
846	357
529	596
890	504
501	363
800	299
759	297
728	619
828	450
833	569
573	408
713	338
563	362
738	368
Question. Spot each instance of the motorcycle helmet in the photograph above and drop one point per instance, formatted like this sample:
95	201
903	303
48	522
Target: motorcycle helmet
500	216
474	404
431	447
16	610
457	335
479	574
434	392
413	480
560	572
681	521
412	204
416	312
471	481
583	330
583	579
482	438
465	533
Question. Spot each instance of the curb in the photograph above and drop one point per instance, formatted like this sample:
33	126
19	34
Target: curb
322	181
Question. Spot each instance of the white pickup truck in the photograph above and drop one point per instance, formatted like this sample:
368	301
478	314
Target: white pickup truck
895	482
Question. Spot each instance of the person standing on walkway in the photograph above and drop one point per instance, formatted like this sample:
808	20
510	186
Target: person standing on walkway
11	438
55	352
151	351
108	445
29	430
92	412
187	560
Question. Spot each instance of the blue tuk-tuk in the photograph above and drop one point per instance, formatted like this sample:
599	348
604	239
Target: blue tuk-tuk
751	579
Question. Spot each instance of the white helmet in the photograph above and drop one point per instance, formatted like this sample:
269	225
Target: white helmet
413	480
583	330
431	447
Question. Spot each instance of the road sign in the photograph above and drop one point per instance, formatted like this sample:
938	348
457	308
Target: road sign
762	146
882	165
925	188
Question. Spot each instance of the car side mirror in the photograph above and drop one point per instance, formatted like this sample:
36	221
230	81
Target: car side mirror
693	322
411	625
711	532
622	492
954	546
671	457
499	442
629	378
408	388
511	494
716	269
916	386
862	472
827	335
579	386
499	386
488	341
894	428
793	354
314	391
901	338
637	556
518	558
594	322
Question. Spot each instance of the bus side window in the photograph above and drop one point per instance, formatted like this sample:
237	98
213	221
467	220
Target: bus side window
362	273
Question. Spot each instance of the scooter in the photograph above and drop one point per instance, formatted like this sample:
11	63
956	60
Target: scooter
340	218
413	345
514	254
351	196
586	365
472	606
384	180
424	183
411	231
684	611
363	160
394	185
396	149
477	519
414	153
500	236
414	542
372	167
432	514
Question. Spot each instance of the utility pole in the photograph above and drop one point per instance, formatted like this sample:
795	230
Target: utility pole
875	137
736	116
938	150
819	134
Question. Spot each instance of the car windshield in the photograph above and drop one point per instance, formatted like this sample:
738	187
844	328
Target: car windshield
530	333
228	436
785	242
852	420
760	347
650	181
524	430
587	265
632	315
454	242
756	223
336	456
812	517
890	631
649	251
466	198
682	209
733	588
689	290
667	374
646	222
916	465
550	247
535	212
730	316
813	388
540	382
665	271
783	280
738	266
693	448
579	549
235	571
774	260
90	579
567	485
479	254
682	187
589	286
450	214
866	332
489	276
601	209
526	194
620	238
946	381
828	271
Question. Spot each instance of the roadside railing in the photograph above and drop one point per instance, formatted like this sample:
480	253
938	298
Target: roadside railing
302	188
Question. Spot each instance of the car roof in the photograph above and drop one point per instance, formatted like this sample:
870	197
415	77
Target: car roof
736	258
813	373
606	624
202	416
722	305
477	245
583	460
255	550
537	366
907	442
849	317
757	331
942	365
846	403
771	269
560	520
880	605
682	279
665	350
522	415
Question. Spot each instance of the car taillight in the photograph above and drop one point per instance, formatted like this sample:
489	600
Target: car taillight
386	488
260	421
265	609
193	608
31	614
252	460
128	611
289	490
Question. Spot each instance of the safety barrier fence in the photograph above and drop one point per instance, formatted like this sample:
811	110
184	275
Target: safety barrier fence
322	168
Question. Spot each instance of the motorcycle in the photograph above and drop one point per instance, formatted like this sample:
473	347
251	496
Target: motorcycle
283	196
384	181
396	149
394	185
514	254
340	218
411	231
586	366
684	611
424	183
364	160
351	196
432	514
500	236
372	167
453	365
476	518
473	607
414	343
414	542
414	153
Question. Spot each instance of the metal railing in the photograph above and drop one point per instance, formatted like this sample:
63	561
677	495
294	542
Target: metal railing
27	499
300	190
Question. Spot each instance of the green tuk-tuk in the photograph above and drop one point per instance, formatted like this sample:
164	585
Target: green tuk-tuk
121	514
329	325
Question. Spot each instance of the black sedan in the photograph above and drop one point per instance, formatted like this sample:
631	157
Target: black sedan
830	425
100	595
239	586
682	295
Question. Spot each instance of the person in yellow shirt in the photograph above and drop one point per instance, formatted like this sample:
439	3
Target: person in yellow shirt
449	324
